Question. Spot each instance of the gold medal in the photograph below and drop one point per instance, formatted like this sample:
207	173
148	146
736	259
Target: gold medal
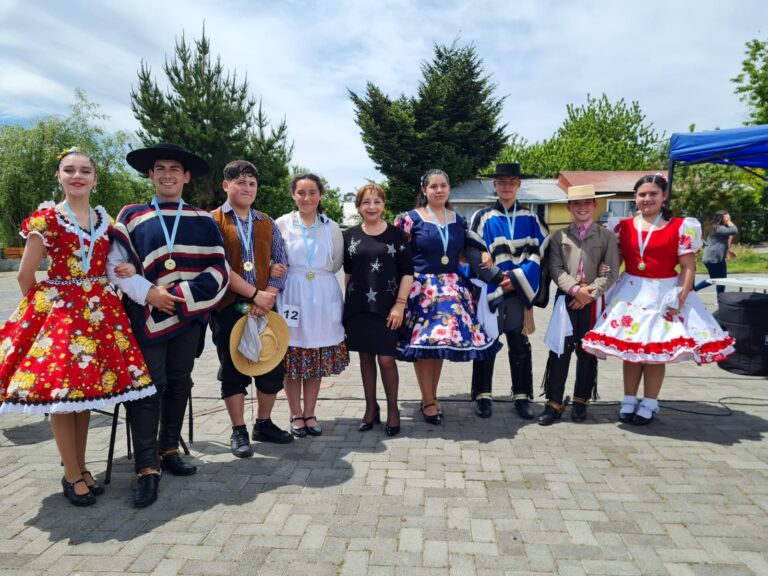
247	266
310	275
444	260
641	266
170	264
87	286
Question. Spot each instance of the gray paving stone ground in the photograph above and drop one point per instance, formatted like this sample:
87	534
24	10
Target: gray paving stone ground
687	495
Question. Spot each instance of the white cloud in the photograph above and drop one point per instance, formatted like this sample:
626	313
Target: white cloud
675	58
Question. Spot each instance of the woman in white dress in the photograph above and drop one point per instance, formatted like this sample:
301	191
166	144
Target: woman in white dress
311	302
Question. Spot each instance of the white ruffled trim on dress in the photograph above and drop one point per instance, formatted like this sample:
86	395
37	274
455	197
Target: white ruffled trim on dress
99	232
64	407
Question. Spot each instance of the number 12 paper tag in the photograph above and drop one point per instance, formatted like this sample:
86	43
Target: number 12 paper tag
291	314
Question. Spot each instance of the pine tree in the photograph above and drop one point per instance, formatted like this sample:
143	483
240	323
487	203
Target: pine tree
452	123
210	113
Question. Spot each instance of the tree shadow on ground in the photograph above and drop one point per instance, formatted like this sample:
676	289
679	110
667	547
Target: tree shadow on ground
308	467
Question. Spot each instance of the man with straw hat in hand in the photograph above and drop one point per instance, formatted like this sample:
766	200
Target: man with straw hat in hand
584	263
181	275
253	247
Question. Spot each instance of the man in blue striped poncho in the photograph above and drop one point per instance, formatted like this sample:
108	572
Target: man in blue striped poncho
517	241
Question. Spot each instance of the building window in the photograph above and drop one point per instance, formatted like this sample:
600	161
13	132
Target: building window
621	208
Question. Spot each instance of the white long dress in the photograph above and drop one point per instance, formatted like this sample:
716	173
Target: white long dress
313	308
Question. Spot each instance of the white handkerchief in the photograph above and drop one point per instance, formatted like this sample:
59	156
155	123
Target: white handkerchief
250	341
489	320
559	328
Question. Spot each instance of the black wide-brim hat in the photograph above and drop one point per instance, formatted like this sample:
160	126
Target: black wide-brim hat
143	159
510	169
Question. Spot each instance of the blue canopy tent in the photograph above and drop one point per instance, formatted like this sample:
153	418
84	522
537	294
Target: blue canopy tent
746	148
742	314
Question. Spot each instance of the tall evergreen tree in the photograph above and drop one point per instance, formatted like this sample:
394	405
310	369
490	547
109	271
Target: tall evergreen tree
209	112
452	123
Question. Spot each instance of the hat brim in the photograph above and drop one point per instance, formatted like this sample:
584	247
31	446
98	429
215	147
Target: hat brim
595	197
245	366
497	175
143	160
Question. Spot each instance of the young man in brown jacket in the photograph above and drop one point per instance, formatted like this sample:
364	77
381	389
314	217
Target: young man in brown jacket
577	256
252	243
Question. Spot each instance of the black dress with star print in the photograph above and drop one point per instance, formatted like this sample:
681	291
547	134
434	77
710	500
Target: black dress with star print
375	265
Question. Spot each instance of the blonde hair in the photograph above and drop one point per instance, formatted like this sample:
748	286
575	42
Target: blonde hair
374	189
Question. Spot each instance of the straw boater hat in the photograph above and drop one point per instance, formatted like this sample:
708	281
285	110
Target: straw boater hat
274	344
143	159
585	192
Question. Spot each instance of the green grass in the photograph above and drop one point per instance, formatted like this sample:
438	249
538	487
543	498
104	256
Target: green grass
747	261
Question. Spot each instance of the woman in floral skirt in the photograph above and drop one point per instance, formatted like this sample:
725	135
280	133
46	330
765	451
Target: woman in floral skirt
69	348
440	320
652	317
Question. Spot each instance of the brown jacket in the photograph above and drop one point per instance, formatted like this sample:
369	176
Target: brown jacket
262	250
565	251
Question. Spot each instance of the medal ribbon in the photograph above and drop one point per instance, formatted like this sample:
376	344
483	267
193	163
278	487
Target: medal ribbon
246	237
643	245
305	236
442	229
511	224
169	240
85	255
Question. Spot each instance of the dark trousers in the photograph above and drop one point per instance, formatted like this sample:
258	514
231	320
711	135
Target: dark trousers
716	270
586	365
170	364
520	366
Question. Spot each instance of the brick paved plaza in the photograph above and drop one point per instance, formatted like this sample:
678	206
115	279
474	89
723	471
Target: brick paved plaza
686	495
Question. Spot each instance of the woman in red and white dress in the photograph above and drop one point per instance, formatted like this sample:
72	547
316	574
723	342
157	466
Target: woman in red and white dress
652	317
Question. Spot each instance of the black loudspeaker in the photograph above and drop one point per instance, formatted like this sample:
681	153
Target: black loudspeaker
745	316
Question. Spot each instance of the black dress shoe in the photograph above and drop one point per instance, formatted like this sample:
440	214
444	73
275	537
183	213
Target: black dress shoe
95	488
268	431
523	408
298	432
392	430
579	412
176	466
145	489
549	416
626	417
87	499
484	407
435	419
638	420
315	430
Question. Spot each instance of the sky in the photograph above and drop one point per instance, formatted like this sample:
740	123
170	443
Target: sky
675	57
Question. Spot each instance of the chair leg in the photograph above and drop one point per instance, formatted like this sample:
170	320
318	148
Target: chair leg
191	427
128	434
112	438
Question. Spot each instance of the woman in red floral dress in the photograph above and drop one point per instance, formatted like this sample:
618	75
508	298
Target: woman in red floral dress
651	317
69	348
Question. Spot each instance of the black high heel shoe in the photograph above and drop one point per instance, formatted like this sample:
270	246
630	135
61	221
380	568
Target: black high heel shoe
365	426
95	488
87	499
435	419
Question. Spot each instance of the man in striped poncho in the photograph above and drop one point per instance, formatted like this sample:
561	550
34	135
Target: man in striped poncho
517	241
178	253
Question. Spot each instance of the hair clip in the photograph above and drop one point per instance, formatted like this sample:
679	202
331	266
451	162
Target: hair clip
70	150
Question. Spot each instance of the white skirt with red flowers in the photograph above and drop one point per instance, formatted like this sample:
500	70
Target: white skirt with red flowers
637	326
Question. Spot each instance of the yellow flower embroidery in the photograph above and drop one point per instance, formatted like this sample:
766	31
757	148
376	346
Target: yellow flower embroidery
38	224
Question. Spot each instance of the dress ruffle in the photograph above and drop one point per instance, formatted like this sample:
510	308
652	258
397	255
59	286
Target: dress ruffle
442	324
636	326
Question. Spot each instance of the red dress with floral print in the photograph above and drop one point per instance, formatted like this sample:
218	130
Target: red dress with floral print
637	324
69	346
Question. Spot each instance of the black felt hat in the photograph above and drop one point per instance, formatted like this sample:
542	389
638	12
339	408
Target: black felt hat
511	169
143	159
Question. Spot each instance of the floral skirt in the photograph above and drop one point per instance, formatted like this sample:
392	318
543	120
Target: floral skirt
441	322
636	325
316	362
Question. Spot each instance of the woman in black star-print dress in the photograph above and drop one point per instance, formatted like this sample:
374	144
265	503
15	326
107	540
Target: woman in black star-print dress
378	271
